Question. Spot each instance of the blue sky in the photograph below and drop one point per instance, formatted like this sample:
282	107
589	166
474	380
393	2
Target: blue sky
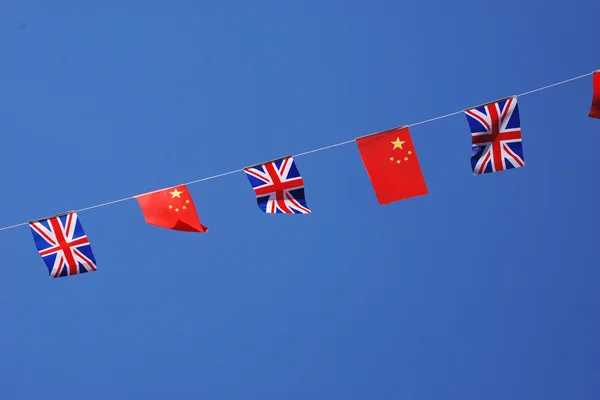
484	289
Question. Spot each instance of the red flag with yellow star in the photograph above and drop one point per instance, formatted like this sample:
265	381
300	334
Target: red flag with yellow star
171	208
392	164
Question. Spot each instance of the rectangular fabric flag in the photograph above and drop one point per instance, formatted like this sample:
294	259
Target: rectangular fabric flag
171	208
595	109
278	186
391	162
496	136
63	245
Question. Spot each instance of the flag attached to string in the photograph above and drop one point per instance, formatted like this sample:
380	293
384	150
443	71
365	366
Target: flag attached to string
496	136
391	162
63	245
171	208
595	109
278	186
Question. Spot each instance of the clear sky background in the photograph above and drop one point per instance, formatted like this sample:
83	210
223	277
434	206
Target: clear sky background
487	288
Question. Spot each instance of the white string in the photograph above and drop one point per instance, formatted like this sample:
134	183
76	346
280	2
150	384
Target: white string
307	152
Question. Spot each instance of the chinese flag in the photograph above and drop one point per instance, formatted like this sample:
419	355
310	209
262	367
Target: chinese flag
172	209
595	110
392	164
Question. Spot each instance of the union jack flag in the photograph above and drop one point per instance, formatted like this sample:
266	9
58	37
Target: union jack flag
278	186
63	245
496	136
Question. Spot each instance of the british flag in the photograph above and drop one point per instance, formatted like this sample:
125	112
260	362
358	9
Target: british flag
496	136
278	186
63	245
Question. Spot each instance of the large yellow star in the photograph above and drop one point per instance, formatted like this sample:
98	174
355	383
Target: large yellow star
175	193
398	143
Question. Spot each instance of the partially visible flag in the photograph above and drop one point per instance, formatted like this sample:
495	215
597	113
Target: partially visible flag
171	208
391	162
595	109
495	136
278	186
63	245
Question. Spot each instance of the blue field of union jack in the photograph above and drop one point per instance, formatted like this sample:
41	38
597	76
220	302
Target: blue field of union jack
63	245
496	137
278	186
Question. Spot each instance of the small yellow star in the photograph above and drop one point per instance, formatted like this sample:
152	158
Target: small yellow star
177	210
170	207
398	143
183	207
187	201
398	162
391	158
409	152
175	193
405	158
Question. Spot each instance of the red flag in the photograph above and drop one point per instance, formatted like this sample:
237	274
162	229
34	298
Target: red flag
391	161
171	208
595	110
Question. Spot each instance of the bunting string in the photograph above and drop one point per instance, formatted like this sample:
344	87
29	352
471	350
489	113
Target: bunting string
309	151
